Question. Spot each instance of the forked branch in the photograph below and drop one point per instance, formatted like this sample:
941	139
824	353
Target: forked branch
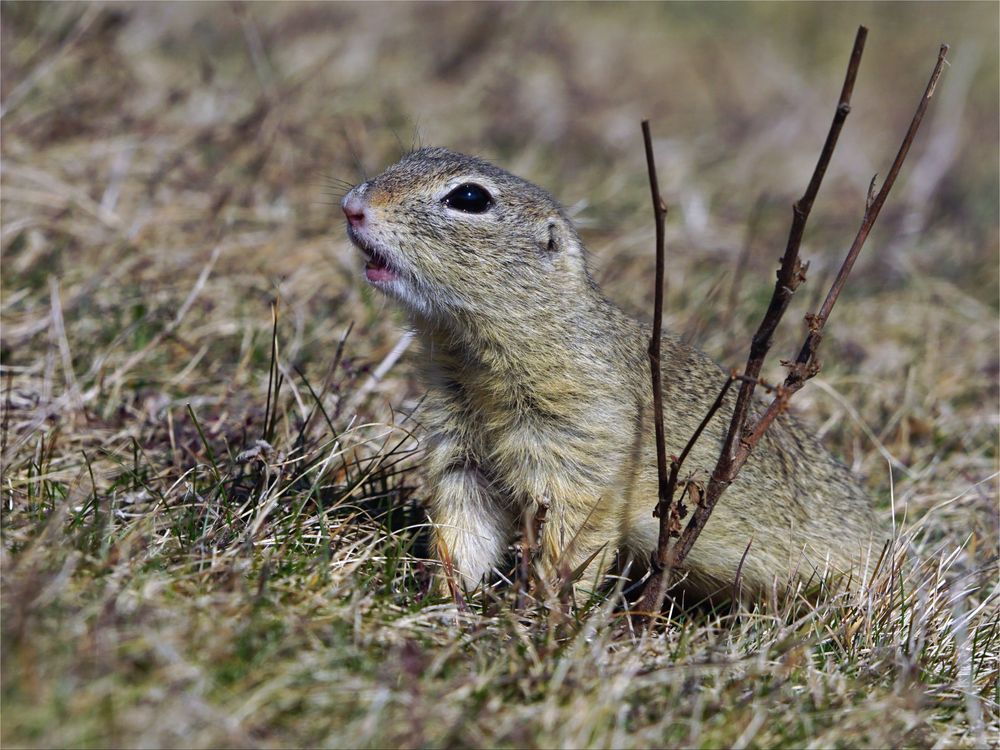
744	433
791	272
806	365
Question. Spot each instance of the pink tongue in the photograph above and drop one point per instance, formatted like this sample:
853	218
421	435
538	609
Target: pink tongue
378	273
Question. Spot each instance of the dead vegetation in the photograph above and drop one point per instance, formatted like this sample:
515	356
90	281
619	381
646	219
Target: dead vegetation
212	533
745	431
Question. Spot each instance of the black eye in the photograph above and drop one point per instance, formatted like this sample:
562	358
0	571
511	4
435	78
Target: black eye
470	198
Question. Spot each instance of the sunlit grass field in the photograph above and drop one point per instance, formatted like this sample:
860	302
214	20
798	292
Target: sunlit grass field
212	525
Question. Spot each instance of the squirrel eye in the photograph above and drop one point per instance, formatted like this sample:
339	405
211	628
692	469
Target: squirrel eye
469	198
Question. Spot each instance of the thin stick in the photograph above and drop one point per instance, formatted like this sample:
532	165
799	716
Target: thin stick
790	275
792	272
675	464
805	365
670	515
660	212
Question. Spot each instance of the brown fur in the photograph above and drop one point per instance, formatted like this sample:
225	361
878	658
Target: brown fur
539	389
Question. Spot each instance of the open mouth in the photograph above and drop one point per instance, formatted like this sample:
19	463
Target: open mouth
377	267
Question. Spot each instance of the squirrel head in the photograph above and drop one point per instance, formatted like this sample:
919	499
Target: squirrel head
452	235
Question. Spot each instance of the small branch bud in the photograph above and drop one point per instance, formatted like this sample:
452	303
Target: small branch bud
743	434
871	194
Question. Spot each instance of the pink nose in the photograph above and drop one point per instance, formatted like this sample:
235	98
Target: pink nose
354	209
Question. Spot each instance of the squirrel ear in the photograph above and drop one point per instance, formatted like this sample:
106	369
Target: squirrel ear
553	244
559	240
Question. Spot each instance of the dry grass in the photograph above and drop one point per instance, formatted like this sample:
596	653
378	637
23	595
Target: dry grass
169	170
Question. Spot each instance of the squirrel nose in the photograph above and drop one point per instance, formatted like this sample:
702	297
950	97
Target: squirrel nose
354	209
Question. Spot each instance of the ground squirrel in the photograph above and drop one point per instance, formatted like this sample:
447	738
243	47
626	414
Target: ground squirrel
539	391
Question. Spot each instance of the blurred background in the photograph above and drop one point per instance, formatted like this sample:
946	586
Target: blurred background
169	170
138	139
147	146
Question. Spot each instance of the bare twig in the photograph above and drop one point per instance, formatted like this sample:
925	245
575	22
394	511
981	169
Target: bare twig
806	366
792	271
660	212
675	464
790	275
670	515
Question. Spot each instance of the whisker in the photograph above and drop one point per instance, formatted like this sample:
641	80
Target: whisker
337	181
